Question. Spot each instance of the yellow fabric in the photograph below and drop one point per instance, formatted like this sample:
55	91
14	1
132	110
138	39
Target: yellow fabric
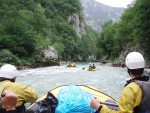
24	93
131	97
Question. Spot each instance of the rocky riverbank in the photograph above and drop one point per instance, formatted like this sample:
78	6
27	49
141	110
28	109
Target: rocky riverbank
39	64
146	70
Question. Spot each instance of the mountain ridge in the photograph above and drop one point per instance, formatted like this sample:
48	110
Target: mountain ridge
96	14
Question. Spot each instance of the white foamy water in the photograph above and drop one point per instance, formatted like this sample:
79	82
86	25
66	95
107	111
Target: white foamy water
110	80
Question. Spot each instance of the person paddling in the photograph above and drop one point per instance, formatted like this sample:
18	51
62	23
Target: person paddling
94	67
9	100
8	74
90	66
135	97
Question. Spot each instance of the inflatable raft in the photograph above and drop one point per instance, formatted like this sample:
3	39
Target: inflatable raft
92	69
73	99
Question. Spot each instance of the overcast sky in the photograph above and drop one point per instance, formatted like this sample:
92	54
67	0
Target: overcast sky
116	3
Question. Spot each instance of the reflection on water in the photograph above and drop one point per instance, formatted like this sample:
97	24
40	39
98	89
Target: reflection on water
110	80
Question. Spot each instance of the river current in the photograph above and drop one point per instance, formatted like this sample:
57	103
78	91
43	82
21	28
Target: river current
109	80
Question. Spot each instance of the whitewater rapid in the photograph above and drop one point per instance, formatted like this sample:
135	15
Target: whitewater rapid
108	79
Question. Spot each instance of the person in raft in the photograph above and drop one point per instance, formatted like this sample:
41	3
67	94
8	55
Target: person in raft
135	97
8	74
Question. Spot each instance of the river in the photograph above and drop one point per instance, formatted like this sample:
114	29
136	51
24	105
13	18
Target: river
108	79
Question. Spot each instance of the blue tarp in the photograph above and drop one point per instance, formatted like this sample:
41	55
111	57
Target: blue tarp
73	99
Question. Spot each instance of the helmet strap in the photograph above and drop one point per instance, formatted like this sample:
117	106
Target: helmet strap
13	80
129	72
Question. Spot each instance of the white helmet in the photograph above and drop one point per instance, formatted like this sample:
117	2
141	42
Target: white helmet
8	71
135	60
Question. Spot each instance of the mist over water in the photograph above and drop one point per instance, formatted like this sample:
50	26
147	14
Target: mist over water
109	80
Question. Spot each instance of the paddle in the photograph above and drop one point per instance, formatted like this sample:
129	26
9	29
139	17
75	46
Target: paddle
109	104
87	67
84	68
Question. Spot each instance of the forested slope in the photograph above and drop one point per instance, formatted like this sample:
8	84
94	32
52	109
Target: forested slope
29	26
131	33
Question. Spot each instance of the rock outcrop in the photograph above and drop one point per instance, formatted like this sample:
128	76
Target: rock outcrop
78	25
50	53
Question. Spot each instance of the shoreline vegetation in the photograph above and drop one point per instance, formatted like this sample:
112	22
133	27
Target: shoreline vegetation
39	64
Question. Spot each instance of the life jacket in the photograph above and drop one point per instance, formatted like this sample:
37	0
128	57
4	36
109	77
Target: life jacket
144	106
90	67
19	109
144	84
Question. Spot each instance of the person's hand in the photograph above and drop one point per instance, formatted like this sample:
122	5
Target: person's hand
95	103
9	100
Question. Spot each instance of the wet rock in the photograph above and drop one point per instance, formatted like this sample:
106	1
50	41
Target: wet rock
103	61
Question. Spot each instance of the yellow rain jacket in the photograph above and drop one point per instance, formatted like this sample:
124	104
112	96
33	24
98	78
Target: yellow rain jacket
24	93
131	97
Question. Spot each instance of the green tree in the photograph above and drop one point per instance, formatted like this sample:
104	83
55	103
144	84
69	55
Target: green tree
142	31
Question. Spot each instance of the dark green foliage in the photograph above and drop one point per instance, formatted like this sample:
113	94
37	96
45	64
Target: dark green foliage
108	42
28	26
131	33
142	24
7	57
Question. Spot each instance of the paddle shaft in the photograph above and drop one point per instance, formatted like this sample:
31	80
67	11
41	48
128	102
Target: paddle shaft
109	104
